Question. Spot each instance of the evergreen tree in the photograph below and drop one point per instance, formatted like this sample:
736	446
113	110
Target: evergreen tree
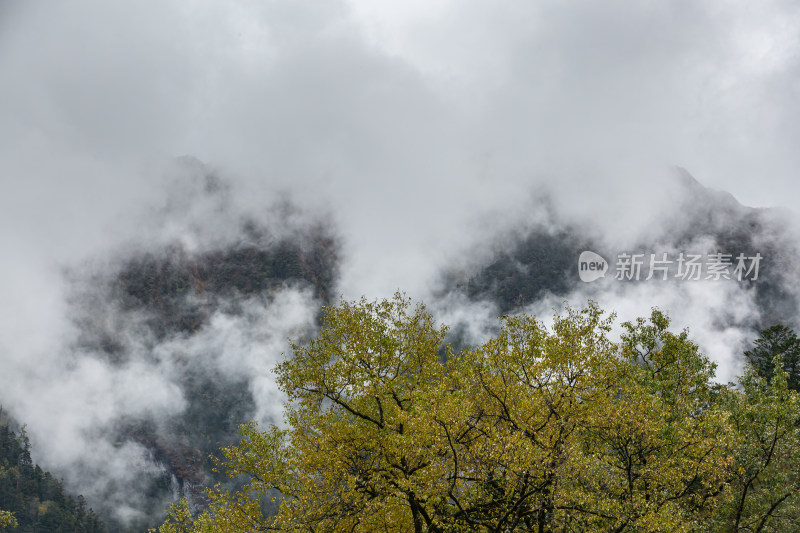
776	340
32	500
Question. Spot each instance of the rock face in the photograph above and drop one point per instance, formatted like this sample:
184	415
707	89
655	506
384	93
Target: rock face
521	268
207	316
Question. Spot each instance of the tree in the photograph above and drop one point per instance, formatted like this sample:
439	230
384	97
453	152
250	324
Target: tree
540	429
763	481
776	340
31	498
7	520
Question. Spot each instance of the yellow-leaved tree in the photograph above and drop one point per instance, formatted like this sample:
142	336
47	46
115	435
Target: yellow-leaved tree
540	429
7	520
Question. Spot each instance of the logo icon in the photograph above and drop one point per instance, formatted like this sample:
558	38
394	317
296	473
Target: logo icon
591	266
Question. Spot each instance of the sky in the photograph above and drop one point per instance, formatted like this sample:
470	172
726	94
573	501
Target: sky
417	127
383	108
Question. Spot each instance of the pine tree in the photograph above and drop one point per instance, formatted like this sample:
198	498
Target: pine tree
776	340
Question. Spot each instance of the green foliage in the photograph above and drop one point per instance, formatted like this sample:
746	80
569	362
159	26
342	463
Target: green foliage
540	429
36	499
776	340
764	481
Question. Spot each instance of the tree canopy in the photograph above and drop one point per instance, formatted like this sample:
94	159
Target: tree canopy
558	429
7	520
776	340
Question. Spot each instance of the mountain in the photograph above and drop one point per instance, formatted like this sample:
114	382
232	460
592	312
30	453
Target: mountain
173	335
36	497
531	263
194	312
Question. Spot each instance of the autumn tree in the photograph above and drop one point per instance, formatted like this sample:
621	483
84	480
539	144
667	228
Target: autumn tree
546	429
7	520
575	433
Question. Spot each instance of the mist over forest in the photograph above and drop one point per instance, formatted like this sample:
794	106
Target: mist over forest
187	185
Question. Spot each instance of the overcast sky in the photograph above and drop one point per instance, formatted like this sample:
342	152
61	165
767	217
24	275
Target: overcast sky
383	109
408	121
